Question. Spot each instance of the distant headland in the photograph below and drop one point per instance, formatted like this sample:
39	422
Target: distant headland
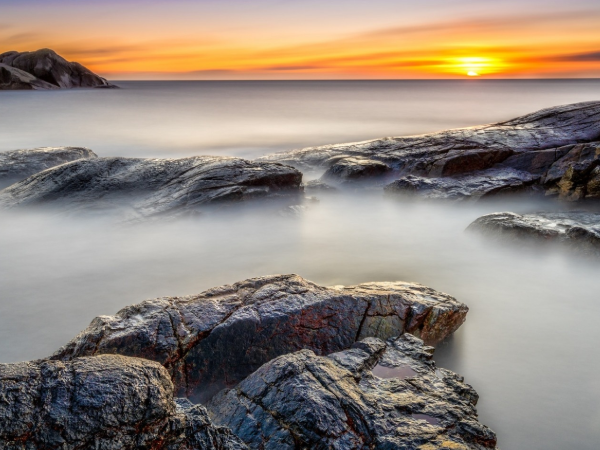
45	69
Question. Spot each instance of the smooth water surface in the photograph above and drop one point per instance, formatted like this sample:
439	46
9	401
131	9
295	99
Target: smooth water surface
529	345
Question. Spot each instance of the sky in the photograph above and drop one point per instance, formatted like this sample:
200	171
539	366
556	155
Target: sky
310	39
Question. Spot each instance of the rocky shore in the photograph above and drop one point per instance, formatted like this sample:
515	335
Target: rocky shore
576	230
144	188
303	366
43	70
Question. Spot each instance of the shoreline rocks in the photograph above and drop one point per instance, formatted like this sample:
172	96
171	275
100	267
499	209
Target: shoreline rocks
578	230
469	162
374	395
150	187
17	165
104	402
215	339
43	70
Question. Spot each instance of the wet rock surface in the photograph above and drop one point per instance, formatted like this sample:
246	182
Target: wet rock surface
215	339
471	162
469	187
579	230
44	69
151	187
17	165
105	402
302	400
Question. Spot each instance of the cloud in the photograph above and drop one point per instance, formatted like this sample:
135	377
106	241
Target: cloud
293	67
579	57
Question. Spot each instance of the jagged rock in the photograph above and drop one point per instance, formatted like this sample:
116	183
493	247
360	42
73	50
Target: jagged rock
105	402
374	396
215	339
318	186
17	165
149	187
44	69
354	169
570	175
578	230
463	150
468	187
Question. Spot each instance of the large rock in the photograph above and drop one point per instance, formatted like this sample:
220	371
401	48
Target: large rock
351	170
17	165
148	187
104	403
479	185
577	229
462	150
215	339
44	69
374	396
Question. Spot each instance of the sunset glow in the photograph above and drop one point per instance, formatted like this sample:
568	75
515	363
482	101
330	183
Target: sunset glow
274	39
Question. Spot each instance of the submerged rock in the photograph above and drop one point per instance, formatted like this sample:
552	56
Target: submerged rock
318	186
17	165
105	402
44	69
579	230
149	187
375	395
215	339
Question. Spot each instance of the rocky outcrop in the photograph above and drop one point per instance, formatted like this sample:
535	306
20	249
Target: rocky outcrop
17	165
105	402
44	69
150	187
215	339
375	395
576	229
483	184
472	162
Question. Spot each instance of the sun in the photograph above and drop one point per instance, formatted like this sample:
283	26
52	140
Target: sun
472	73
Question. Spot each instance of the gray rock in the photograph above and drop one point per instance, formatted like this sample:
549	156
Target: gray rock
318	186
45	70
570	175
482	184
150	187
464	150
17	165
12	79
348	170
375	395
215	339
578	230
104	403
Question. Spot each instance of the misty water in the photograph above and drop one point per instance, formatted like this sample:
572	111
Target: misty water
529	345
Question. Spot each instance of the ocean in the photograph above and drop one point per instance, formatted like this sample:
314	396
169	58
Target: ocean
529	345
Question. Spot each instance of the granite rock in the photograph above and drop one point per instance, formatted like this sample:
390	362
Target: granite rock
105	403
376	395
215	339
45	69
152	187
17	165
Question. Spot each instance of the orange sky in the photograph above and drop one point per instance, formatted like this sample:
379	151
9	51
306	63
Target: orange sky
289	39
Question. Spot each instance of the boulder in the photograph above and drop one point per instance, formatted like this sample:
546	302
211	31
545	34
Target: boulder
215	339
105	402
44	69
578	230
151	187
467	187
376	395
17	165
463	150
